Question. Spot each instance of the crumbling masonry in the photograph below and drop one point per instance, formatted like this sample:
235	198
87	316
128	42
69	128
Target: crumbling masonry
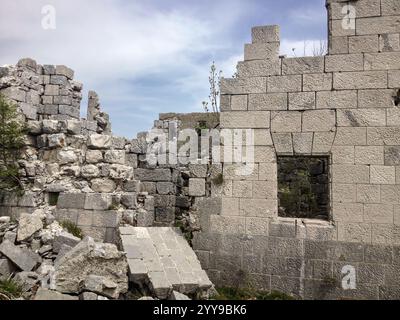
343	106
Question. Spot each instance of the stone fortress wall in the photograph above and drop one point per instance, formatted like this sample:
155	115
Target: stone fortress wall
342	106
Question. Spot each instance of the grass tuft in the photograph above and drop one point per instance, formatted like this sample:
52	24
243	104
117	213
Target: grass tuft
10	289
72	228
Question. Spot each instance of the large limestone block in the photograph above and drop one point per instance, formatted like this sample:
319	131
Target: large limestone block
268	101
364	8
28	225
344	193
101	285
382	61
265	34
378	25
383	175
99	141
317	82
238	102
245	120
383	136
94	156
283	143
301	100
261	51
343	154
346	136
227	224
115	156
24	259
244	85
361	44
64	71
368	193
290	83
71	201
286	121
337	99
90	258
103	185
260	208
319	120
376	98
338	45
348	212
360	80
153	174
197	187
303	65
322	142
378	213
56	140
259	68
390	7
361	118
64	239
344	62
98	201
389	42
302	143
369	155
348	173
90	171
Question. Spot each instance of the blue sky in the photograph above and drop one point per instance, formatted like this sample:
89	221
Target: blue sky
144	57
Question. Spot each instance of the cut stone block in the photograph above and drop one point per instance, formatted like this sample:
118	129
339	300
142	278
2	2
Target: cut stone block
24	259
197	187
162	257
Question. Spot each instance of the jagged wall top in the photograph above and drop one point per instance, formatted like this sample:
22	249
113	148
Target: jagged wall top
48	92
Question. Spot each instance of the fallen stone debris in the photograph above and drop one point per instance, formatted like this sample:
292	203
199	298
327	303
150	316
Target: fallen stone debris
40	260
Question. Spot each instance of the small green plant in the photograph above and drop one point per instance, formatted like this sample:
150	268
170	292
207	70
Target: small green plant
72	228
12	133
10	289
218	180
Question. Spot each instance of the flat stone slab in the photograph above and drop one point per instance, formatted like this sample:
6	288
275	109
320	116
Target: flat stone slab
24	259
162	257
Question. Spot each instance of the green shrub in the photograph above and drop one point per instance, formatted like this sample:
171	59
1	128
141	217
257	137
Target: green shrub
12	133
72	228
10	289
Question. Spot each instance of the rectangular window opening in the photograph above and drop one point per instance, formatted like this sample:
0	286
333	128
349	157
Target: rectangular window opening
53	198
303	187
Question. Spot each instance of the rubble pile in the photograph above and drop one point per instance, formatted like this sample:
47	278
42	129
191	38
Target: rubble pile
46	262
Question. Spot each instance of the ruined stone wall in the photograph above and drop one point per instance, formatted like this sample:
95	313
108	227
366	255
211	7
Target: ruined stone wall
76	170
343	105
72	168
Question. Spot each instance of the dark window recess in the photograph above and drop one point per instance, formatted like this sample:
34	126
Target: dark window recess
303	184
53	198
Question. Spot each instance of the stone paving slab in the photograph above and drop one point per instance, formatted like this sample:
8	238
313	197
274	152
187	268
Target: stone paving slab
163	257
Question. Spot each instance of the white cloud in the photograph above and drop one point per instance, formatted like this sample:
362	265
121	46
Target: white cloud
112	43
